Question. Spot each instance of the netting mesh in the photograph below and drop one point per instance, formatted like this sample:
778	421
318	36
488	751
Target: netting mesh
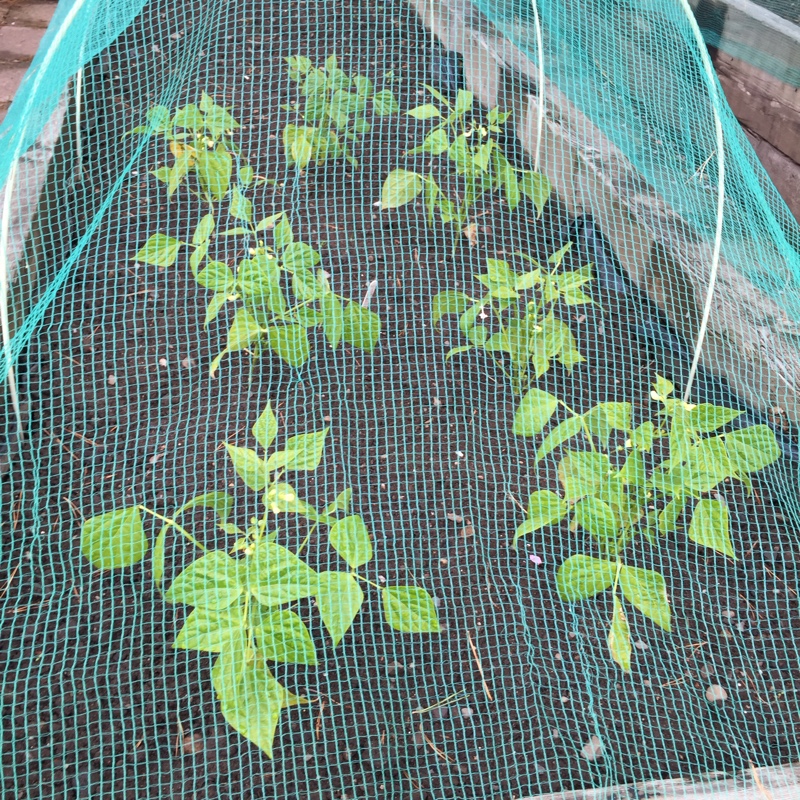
517	694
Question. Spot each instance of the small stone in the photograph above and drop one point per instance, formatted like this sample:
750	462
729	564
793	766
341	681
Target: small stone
393	667
467	531
194	744
467	712
640	645
440	713
112	379
728	614
419	738
187	362
162	362
716	694
593	749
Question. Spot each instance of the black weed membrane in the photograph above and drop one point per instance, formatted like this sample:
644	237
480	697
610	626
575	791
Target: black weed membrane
401	402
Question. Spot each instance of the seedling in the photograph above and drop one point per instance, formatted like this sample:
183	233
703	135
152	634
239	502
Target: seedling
474	158
281	292
333	109
526	337
245	597
645	489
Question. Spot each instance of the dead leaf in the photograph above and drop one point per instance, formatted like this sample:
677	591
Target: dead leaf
716	694
471	232
455	518
193	744
467	530
593	749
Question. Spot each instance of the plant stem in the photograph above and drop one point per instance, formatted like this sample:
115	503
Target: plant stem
583	424
247	625
502	369
371	583
306	540
174	525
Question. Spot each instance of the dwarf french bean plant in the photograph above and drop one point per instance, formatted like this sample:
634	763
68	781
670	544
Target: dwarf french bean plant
278	287
474	159
658	483
333	108
282	296
525	337
245	597
199	137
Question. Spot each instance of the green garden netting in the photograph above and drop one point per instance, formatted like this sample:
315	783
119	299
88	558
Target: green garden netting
554	597
774	53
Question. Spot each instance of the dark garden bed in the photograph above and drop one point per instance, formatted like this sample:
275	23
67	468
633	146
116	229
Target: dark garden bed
98	704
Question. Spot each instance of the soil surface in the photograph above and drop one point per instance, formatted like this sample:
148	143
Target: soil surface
96	703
